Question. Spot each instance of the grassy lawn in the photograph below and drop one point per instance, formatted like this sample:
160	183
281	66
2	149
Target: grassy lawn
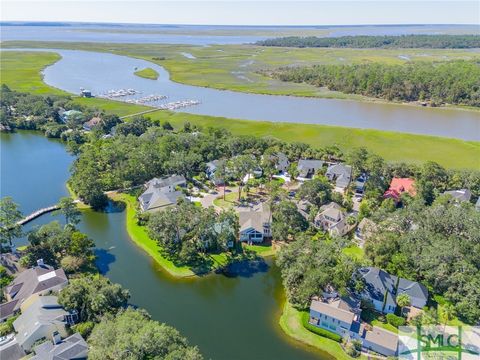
355	252
147	73
21	71
291	324
229	202
140	237
384	325
260	250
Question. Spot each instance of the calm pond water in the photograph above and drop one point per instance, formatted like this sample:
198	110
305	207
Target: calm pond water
227	317
101	72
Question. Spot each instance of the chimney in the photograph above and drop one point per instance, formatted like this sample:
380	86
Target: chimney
56	338
40	262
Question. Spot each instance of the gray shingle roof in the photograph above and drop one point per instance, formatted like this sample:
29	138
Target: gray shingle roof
254	219
412	289
308	167
460	195
377	283
72	347
8	309
11	351
341	173
35	280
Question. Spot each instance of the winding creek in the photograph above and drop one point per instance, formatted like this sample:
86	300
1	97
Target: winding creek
101	72
227	317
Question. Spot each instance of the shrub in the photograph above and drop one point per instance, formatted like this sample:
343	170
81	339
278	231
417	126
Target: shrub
316	330
395	320
84	328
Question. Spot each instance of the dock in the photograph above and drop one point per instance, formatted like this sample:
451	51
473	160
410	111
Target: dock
37	213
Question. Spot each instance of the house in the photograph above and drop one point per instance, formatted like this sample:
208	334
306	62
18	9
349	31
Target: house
303	207
161	193
10	349
41	319
86	93
67	115
381	341
255	225
341	174
211	169
333	219
398	186
381	289
40	279
308	168
73	347
360	183
459	195
281	162
417	293
364	230
90	124
341	315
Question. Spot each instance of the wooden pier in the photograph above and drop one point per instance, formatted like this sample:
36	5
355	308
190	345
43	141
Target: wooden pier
37	213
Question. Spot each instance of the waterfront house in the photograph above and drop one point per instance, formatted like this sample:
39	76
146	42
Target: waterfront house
364	230
255	225
341	315
90	124
398	186
341	174
307	168
381	289
86	93
161	193
73	347
40	279
462	195
41	319
333	219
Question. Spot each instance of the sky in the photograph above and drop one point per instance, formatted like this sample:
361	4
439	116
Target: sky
245	12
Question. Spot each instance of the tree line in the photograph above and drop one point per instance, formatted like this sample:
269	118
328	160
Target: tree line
387	41
453	82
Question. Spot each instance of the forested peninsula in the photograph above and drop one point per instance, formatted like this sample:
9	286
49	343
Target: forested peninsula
452	82
404	41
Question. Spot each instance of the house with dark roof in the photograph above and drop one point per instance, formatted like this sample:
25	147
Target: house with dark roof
360	184
73	347
398	186
10	349
382	289
40	319
161	193
462	195
341	174
40	279
308	167
281	162
255	225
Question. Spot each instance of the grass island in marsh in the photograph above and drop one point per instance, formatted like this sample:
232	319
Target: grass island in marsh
147	73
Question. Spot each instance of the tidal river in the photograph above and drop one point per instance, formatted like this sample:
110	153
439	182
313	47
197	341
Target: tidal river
227	317
101	72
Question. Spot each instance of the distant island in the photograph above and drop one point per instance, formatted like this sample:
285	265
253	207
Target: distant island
147	73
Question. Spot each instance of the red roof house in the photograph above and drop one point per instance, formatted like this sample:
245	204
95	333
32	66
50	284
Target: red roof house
399	186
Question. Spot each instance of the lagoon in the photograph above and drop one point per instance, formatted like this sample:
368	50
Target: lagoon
227	317
101	72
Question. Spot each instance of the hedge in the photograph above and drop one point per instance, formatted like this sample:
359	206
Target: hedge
319	331
395	320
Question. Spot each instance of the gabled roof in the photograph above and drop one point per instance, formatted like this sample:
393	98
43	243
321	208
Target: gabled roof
460	195
72	347
341	173
309	164
337	309
399	186
382	337
254	219
11	351
43	312
172	180
281	161
378	283
158	199
35	280
8	309
332	210
412	289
